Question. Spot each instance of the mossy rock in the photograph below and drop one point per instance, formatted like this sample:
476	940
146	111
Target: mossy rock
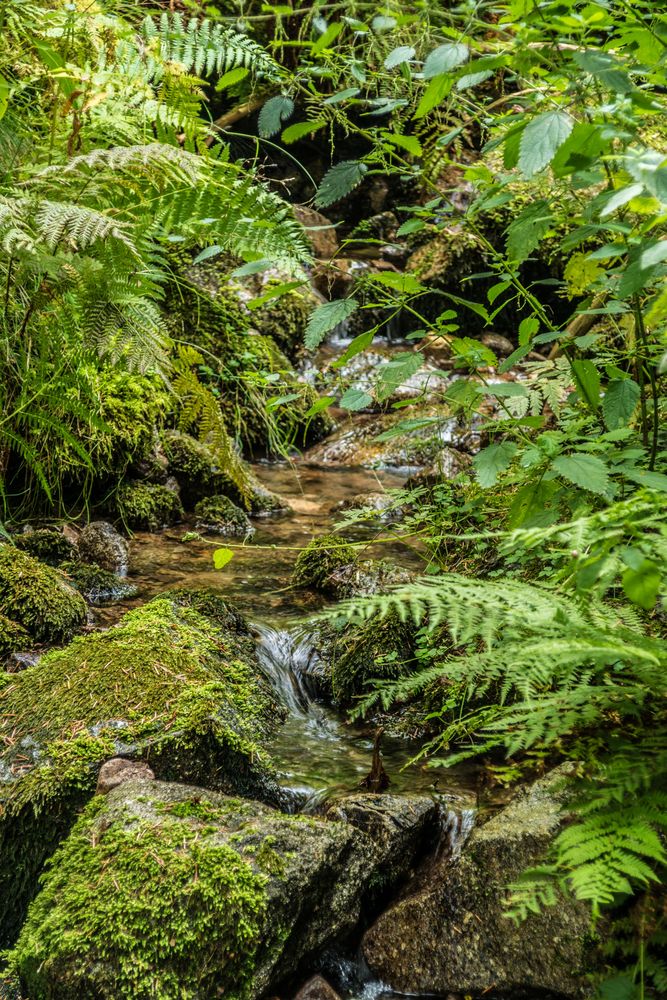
46	544
38	597
366	577
13	636
220	516
166	685
379	649
169	892
96	584
316	562
147	506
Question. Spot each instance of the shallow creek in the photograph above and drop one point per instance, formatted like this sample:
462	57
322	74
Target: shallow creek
318	753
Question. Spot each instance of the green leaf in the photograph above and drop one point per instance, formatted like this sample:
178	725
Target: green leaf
528	327
326	318
606	68
4	96
473	79
383	23
435	93
506	389
295	132
411	226
541	140
620	198
405	283
395	372
493	460
402	54
252	267
620	401
221	557
408	142
586	471
339	181
276	111
642	585
207	253
342	95
234	76
587	378
356	346
444	59
323	403
527	230
355	399
472	352
327	37
514	357
647	479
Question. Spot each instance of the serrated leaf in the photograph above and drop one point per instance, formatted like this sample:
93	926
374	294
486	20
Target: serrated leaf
323	403
383	23
404	283
444	59
326	318
605	67
436	92
473	79
395	372
232	77
398	56
208	252
221	557
541	139
295	132
355	399
339	181
527	230
620	401
649	480
587	378
274	113
356	346
408	142
586	471
491	461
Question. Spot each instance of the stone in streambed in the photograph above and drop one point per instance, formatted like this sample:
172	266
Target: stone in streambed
452	935
46	544
317	988
219	516
98	585
102	545
37	598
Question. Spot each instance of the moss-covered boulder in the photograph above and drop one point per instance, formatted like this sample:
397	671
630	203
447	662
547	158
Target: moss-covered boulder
321	556
171	892
46	544
38	597
167	685
451	933
382	648
366	577
147	506
12	636
98	585
220	516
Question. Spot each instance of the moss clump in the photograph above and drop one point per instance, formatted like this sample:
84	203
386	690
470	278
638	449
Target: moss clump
222	517
38	597
12	636
381	648
147	506
46	544
97	585
166	685
318	560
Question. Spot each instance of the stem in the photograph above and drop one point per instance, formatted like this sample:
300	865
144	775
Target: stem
646	369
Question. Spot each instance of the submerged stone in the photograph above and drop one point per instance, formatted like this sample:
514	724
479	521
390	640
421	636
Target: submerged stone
38	598
320	557
220	516
167	685
98	585
100	544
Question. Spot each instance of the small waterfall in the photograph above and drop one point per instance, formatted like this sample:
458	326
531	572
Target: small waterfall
286	658
456	826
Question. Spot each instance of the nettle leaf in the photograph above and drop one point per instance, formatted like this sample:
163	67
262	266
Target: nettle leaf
606	68
408	142
472	352
473	79
642	585
586	471
398	56
276	111
527	230
493	460
541	139
326	318
355	399
295	132
405	283
649	480
587	378
444	59
620	401
323	403
395	372
437	91
339	181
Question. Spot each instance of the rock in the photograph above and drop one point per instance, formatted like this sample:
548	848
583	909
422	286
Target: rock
37	598
218	515
378	506
317	988
13	637
101	545
97	585
449	463
320	557
147	506
369	576
175	684
46	544
501	346
163	889
381	648
118	770
320	232
451	935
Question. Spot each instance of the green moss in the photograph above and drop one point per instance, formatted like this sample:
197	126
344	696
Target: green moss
285	320
219	515
319	558
138	909
46	544
166	685
147	506
96	584
381	648
12	636
38	597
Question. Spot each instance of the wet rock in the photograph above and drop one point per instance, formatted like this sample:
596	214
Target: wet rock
162	884
379	506
317	988
37	599
97	585
218	515
369	576
171	685
147	506
102	545
452	936
501	346
46	544
321	556
118	770
320	232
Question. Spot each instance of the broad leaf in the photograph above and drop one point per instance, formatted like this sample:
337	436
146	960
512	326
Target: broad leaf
221	557
355	399
403	54
620	401
339	181
445	58
525	232
295	132
436	92
541	139
588	382
274	113
493	460
642	585
586	471
326	318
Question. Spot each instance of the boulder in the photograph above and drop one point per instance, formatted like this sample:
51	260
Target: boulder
37	598
147	506
97	585
102	545
320	557
320	232
118	770
373	506
317	988
361	579
175	684
46	544
452	935
220	516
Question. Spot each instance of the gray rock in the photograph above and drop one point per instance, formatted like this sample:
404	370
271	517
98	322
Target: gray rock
118	770
317	988
451	934
370	576
100	543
